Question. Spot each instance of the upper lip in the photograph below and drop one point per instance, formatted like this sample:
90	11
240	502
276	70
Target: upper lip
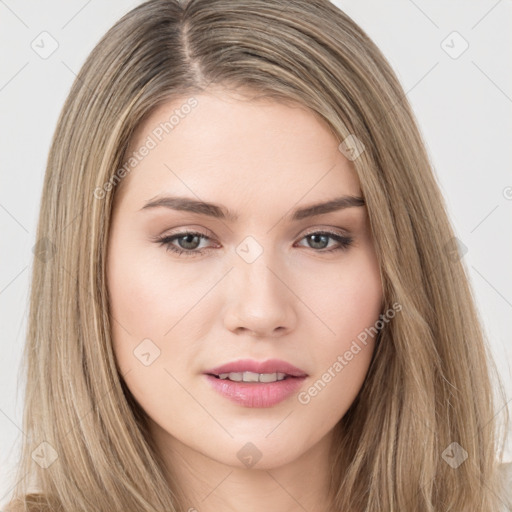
251	365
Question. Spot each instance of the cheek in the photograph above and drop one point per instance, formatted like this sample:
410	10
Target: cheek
350	306
148	295
360	298
347	298
152	299
135	297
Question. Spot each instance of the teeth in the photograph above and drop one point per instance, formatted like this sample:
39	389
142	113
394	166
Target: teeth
253	377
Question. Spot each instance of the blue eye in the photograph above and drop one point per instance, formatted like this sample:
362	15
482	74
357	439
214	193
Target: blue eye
190	240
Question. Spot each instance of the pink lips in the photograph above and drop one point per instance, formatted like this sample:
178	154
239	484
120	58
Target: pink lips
257	394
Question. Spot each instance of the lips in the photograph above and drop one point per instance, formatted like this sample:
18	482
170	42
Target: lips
267	392
251	365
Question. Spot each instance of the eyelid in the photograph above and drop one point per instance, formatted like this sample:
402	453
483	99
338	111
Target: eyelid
186	230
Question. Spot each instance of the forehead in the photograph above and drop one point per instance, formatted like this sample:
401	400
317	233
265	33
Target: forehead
220	143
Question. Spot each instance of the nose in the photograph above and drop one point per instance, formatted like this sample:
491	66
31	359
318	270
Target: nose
261	302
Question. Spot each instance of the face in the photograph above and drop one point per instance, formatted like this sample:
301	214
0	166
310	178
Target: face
260	276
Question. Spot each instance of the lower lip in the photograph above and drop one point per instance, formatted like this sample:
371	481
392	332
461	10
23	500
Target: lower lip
256	394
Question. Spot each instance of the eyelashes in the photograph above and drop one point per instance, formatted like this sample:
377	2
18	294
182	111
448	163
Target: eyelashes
315	237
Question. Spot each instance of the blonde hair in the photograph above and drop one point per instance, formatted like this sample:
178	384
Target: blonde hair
429	383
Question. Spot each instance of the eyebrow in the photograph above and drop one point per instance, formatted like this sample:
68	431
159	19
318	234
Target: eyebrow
221	212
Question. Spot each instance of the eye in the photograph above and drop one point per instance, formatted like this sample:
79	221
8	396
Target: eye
189	241
319	240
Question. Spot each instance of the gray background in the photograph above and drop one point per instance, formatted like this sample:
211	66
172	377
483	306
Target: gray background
462	100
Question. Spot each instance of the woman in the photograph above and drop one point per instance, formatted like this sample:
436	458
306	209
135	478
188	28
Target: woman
251	296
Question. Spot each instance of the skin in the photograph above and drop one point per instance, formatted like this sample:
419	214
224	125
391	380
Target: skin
260	159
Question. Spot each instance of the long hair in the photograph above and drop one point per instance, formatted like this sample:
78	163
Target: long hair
421	435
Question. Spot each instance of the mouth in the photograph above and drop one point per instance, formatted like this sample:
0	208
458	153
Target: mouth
259	384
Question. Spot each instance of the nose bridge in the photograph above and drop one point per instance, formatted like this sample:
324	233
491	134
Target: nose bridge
253	266
261	301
